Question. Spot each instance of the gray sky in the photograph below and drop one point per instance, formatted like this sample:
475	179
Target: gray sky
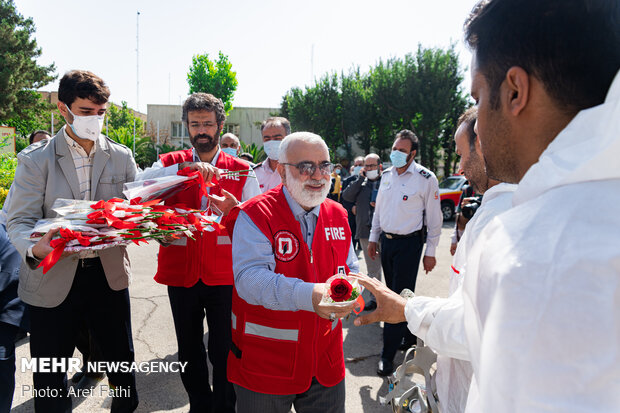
268	42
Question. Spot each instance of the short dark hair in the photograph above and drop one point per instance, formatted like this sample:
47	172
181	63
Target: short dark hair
204	101
277	121
247	155
571	46
35	133
410	136
82	84
469	118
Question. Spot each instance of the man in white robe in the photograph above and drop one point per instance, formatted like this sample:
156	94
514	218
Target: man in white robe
542	316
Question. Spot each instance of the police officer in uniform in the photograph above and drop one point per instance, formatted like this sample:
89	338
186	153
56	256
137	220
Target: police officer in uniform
408	199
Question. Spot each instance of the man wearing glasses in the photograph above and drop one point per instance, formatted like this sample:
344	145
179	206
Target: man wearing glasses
363	194
287	350
408	200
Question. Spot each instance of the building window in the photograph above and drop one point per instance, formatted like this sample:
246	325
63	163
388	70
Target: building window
231	128
179	130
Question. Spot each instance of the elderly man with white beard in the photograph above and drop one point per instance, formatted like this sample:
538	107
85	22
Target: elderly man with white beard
287	350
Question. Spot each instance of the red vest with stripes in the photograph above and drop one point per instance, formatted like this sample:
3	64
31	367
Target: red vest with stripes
279	352
209	257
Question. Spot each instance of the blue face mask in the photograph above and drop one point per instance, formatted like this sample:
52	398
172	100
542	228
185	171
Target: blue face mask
272	149
356	170
230	151
398	159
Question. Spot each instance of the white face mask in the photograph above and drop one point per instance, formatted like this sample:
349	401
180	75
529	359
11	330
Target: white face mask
272	149
372	175
86	127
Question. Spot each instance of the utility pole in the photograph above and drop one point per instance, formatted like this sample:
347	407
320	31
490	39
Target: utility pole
138	61
312	65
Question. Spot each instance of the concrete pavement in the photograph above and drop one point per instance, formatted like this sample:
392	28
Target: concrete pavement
154	340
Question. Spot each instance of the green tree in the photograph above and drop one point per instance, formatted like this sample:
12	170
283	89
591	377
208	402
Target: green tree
120	124
20	74
36	117
119	127
214	77
420	92
358	110
318	109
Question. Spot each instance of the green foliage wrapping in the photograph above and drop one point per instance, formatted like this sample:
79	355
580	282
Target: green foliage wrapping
214	77
20	75
8	164
420	92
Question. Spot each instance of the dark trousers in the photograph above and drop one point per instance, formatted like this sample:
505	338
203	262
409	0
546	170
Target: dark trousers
189	308
400	259
7	365
317	399
54	333
86	344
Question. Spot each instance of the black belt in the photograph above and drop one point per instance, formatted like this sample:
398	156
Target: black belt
400	236
89	262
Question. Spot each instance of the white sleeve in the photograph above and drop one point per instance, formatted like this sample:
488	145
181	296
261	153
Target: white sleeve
250	188
439	323
434	218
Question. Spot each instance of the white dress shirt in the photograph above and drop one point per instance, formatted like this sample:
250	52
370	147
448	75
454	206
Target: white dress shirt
267	177
402	202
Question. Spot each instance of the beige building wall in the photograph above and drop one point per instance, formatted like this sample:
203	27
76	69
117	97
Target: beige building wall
243	122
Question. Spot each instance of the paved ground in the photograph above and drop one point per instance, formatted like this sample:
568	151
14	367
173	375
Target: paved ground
154	340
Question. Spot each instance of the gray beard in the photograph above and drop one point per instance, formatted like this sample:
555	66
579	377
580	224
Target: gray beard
302	196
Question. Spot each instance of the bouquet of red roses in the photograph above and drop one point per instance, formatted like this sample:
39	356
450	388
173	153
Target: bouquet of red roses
89	225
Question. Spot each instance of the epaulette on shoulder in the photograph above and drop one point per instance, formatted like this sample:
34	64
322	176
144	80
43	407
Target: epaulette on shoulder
258	165
425	173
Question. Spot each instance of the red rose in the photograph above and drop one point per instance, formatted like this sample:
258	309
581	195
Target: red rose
340	290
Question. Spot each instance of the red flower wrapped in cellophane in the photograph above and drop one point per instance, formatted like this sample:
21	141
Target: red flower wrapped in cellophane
341	290
90	225
164	187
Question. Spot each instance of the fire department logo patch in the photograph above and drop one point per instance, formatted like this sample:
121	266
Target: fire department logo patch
286	246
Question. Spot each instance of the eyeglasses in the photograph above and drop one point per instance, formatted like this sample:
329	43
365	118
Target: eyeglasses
309	168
